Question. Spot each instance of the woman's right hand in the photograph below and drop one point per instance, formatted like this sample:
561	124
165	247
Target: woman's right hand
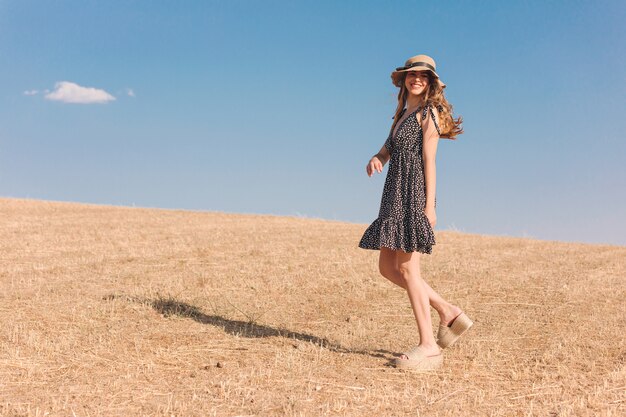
374	165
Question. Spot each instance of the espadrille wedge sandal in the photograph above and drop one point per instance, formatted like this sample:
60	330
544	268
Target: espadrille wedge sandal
418	361
447	336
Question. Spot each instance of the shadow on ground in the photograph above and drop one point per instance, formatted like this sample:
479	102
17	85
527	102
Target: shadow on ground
169	306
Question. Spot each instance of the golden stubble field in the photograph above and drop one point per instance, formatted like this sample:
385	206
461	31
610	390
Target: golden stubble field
119	311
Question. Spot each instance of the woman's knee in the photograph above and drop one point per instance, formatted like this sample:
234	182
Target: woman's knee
408	265
404	271
408	272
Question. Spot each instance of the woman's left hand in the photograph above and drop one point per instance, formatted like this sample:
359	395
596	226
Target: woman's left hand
431	216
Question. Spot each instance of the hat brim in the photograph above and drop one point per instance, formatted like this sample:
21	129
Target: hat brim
396	76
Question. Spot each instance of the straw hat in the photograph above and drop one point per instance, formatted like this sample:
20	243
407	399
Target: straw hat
416	63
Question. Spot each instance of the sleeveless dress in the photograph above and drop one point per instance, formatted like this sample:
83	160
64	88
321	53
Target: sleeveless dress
401	222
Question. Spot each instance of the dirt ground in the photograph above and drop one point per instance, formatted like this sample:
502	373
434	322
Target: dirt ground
119	311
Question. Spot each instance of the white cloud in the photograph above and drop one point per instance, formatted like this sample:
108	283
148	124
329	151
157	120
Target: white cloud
130	92
31	92
68	92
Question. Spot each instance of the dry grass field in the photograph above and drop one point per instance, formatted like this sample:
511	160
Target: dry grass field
120	311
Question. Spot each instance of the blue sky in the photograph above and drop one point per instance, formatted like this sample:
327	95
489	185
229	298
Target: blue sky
276	107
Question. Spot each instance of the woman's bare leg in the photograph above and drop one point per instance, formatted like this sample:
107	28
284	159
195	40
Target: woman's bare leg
388	266
409	267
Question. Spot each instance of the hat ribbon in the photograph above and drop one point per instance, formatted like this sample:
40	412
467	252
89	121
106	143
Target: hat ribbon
416	64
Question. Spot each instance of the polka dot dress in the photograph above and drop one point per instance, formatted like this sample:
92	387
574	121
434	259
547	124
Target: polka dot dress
401	222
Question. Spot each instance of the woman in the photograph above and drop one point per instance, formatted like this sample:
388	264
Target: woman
404	227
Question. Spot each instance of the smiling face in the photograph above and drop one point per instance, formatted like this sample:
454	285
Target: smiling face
416	82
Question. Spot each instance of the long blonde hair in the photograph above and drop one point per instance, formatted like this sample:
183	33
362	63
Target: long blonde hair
450	128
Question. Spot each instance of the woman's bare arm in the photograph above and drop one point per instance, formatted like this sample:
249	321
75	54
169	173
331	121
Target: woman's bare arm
430	170
378	161
383	155
429	153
